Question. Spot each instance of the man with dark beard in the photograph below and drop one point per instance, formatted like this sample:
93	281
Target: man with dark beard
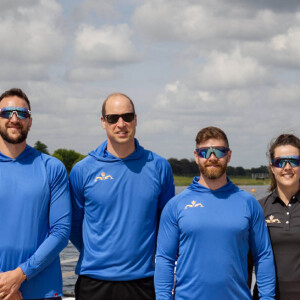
35	208
209	229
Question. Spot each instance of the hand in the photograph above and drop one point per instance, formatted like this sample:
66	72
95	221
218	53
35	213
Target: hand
10	282
15	296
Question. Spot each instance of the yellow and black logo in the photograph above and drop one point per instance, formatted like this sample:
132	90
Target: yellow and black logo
272	220
193	204
103	177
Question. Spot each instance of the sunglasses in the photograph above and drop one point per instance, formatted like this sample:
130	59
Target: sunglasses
206	152
113	119
21	112
280	162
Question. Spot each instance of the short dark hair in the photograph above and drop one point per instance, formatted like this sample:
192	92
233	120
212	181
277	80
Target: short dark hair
282	140
211	132
16	92
112	95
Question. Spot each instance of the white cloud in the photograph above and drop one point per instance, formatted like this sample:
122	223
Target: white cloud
86	8
17	71
31	38
286	47
8	5
98	52
179	97
194	21
232	70
65	116
30	34
90	74
281	50
105	45
157	126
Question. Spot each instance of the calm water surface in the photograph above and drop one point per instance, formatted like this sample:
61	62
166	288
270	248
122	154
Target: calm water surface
69	255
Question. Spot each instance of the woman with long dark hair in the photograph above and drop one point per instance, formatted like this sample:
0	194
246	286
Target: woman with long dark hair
282	214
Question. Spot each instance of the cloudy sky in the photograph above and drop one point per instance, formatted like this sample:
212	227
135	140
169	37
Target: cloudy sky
186	65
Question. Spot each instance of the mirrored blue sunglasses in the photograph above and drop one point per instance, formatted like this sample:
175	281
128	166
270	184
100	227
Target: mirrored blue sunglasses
280	162
21	112
206	152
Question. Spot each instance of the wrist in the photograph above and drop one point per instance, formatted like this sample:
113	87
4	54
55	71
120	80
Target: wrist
20	274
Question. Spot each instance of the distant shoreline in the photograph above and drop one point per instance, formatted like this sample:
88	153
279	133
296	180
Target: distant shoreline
187	180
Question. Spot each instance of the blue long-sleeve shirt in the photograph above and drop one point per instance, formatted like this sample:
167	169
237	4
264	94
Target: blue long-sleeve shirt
35	220
116	206
212	232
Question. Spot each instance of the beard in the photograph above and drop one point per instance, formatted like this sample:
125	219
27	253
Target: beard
213	173
14	140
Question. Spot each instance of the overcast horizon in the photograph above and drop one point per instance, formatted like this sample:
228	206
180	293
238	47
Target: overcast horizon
185	64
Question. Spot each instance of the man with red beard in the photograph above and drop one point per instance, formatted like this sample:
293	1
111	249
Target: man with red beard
209	229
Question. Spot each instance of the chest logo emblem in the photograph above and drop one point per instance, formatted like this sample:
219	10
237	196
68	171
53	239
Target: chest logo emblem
103	177
272	220
193	204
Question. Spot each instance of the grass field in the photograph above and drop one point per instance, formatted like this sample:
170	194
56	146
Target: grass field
187	180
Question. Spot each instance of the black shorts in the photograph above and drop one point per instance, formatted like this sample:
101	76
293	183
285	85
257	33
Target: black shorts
88	288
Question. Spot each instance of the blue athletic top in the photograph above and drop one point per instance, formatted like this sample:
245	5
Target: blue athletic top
35	220
116	207
211	232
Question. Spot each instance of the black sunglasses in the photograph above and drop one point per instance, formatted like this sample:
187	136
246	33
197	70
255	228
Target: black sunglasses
113	119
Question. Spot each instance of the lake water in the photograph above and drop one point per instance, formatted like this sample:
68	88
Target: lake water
69	255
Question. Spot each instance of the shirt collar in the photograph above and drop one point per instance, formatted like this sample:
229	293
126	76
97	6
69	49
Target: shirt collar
275	197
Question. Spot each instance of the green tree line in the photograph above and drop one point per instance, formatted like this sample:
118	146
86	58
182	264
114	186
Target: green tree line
182	167
68	157
185	167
